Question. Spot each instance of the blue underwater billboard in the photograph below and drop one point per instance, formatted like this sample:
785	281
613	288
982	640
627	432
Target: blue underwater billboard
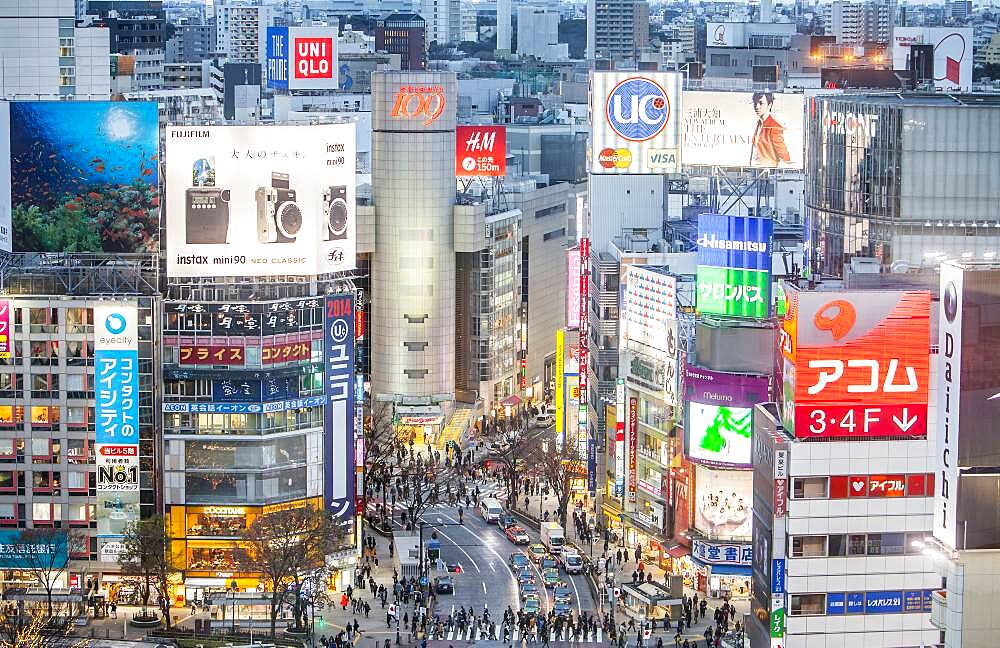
84	176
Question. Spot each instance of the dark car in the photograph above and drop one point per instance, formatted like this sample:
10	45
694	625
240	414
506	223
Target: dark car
525	576
549	562
444	585
563	595
505	520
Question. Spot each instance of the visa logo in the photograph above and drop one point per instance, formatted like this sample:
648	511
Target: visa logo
662	158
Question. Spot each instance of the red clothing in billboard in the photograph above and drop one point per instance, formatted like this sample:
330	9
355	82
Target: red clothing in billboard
769	148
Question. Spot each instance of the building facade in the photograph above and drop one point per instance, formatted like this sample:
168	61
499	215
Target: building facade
617	30
138	29
404	34
241	31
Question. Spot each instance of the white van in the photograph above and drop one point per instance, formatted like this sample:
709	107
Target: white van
544	420
490	509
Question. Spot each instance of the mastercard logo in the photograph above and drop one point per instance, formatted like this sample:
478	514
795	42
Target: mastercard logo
610	158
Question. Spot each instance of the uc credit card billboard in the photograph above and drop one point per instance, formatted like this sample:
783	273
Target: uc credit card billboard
260	200
856	364
635	120
734	266
302	58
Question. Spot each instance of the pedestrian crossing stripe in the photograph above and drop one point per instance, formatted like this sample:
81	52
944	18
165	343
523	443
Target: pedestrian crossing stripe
473	633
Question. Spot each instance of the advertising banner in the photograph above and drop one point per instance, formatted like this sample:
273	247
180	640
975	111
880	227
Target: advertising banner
116	434
723	506
883	602
949	396
719	415
743	129
635	122
583	432
480	151
302	58
251	319
620	437
572	288
22	549
211	354
649	307
268	388
6	332
338	355
260	200
286	352
722	554
633	444
734	266
560	373
245	408
952	54
84	177
859	363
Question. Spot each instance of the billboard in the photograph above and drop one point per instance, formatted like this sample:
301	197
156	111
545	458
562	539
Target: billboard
723	501
560	372
949	394
743	129
952	54
719	415
734	266
84	177
116	413
260	200
856	364
26	549
635	122
480	151
6	332
573	287
338	433
302	58
633	445
649	307
619	437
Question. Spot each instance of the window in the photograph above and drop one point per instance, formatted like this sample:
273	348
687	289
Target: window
808	546
808	604
810	487
79	354
893	544
44	353
559	233
720	60
43	320
79	320
856	545
41	511
837	545
874	544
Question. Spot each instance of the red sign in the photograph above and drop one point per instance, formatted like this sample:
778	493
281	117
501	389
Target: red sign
6	347
633	420
313	57
211	355
860	363
858	486
424	102
118	450
480	151
288	352
886	485
780	498
359	324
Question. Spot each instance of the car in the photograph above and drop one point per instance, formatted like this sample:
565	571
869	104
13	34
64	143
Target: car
548	562
505	520
526	576
529	589
563	595
531	605
550	578
562	609
519	561
536	552
571	562
516	534
444	585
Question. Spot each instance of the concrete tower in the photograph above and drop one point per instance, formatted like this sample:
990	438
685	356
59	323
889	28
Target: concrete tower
503	25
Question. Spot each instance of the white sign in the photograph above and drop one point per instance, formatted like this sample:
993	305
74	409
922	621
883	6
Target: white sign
952	54
260	200
724	34
743	129
650	303
949	400
723	506
634	119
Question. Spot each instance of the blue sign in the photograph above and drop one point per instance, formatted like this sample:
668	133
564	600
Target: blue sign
835	603
250	390
913	601
883	602
338	425
116	372
245	408
591	463
359	389
45	549
638	109
277	57
722	554
855	602
737	242
778	576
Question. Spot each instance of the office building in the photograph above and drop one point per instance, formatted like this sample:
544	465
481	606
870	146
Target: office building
538	34
504	16
404	34
193	42
33	66
241	31
444	20
617	30
761	52
858	22
137	29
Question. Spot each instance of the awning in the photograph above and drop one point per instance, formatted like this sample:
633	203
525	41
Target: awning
206	582
677	551
730	570
511	401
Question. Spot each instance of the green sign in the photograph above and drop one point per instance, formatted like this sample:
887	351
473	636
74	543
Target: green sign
733	292
778	623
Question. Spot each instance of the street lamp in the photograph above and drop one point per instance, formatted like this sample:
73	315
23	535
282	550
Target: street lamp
233	586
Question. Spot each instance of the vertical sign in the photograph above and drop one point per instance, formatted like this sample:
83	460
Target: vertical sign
116	436
620	415
780	503
560	371
338	444
5	332
584	440
633	420
949	377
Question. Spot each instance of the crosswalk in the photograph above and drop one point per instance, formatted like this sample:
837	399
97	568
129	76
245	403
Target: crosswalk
472	633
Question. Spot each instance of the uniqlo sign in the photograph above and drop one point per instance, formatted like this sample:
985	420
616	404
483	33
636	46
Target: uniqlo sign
302	58
480	151
857	364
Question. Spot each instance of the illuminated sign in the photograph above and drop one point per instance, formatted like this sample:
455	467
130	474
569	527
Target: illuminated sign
288	352
734	266
302	58
857	363
203	354
722	554
480	151
620	437
633	443
720	415
6	334
338	424
426	103
949	393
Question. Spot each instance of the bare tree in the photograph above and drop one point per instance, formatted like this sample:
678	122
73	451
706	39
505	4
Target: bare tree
558	469
383	451
29	627
44	552
287	548
508	444
147	554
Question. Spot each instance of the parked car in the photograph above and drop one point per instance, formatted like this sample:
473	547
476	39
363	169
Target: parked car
444	585
516	534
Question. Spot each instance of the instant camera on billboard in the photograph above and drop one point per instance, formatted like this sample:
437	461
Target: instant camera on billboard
480	151
83	177
723	502
743	129
260	200
720	415
302	58
734	265
859	363
952	53
635	122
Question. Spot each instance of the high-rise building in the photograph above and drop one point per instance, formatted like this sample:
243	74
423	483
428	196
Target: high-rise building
617	30
404	34
504	25
192	42
241	31
138	29
538	34
858	22
78	67
444	20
